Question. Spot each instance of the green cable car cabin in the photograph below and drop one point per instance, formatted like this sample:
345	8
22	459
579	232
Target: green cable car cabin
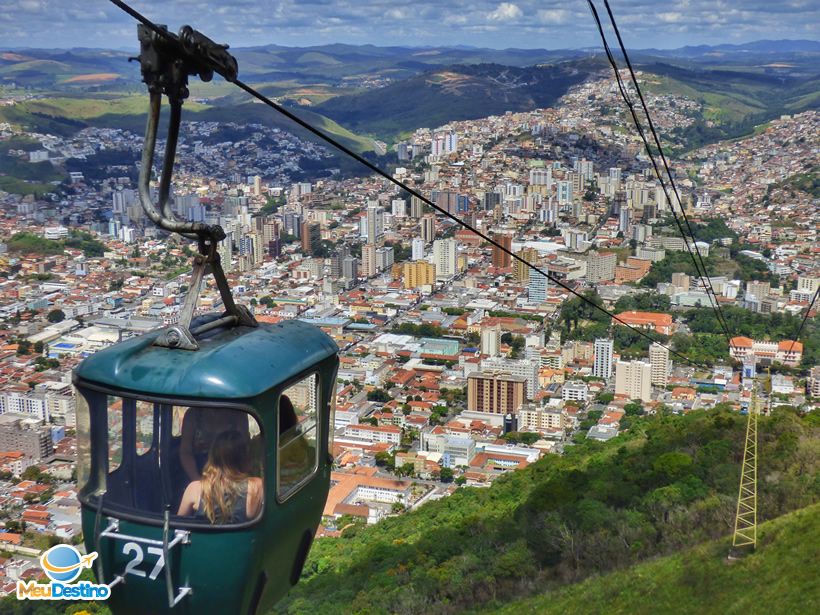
203	447
149	419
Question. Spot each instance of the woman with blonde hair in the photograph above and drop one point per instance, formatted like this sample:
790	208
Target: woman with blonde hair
226	493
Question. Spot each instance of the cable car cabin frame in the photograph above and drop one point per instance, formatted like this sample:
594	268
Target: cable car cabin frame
168	562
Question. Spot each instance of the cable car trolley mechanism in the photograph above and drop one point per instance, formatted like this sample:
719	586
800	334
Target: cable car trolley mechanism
203	461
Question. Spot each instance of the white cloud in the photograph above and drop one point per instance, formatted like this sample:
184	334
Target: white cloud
506	11
552	16
670	17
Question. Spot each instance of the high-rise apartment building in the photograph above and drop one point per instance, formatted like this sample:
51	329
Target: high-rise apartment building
311	237
601	266
350	268
537	287
634	379
374	227
418	273
417	249
384	258
444	258
602	364
495	392
369	268
522	271
522	368
26	436
659	360
428	227
502	259
490	340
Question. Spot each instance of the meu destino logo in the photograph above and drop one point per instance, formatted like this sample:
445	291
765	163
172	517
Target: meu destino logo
63	564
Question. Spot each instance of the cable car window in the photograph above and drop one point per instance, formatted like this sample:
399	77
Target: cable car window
203	464
83	441
298	450
145	427
177	417
115	443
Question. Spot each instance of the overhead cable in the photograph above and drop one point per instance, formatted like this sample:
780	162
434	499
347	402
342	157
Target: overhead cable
699	269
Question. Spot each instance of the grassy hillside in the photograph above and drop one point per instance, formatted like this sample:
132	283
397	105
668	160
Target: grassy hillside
734	100
668	484
66	115
453	93
778	578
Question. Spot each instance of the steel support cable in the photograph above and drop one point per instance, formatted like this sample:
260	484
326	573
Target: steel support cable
672	183
703	275
344	149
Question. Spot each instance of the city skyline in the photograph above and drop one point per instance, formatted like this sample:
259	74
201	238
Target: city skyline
488	24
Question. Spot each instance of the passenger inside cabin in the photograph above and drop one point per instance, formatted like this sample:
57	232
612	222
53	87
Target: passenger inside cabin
227	492
200	428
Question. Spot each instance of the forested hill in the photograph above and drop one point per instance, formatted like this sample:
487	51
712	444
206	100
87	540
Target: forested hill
668	484
777	578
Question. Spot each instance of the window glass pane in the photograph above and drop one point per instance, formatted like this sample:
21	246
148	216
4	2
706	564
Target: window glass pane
115	433
221	457
83	444
177	417
207	469
298	434
144	427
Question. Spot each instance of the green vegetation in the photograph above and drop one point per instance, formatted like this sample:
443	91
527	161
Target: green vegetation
711	230
735	100
581	320
667	484
523	316
422	330
378	395
55	316
700	581
648	302
632	345
709	344
522	437
29	243
704	348
739	267
19	176
453	93
803	182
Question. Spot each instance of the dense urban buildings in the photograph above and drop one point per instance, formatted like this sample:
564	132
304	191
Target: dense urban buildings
449	348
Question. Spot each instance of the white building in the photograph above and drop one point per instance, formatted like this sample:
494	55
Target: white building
490	340
444	258
418	249
541	419
659	360
523	368
575	391
370	433
634	379
602	366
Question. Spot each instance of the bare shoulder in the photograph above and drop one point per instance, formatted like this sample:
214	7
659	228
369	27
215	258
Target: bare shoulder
193	490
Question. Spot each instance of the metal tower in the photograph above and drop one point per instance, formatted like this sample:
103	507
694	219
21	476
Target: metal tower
746	516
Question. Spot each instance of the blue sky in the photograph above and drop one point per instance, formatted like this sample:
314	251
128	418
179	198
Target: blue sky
544	24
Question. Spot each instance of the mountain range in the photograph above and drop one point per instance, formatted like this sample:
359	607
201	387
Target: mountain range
387	92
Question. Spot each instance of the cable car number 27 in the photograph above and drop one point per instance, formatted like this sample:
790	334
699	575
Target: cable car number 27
138	557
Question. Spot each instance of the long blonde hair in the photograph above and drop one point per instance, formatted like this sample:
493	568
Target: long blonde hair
227	467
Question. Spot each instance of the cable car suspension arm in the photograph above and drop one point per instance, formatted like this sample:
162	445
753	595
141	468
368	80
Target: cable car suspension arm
166	62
